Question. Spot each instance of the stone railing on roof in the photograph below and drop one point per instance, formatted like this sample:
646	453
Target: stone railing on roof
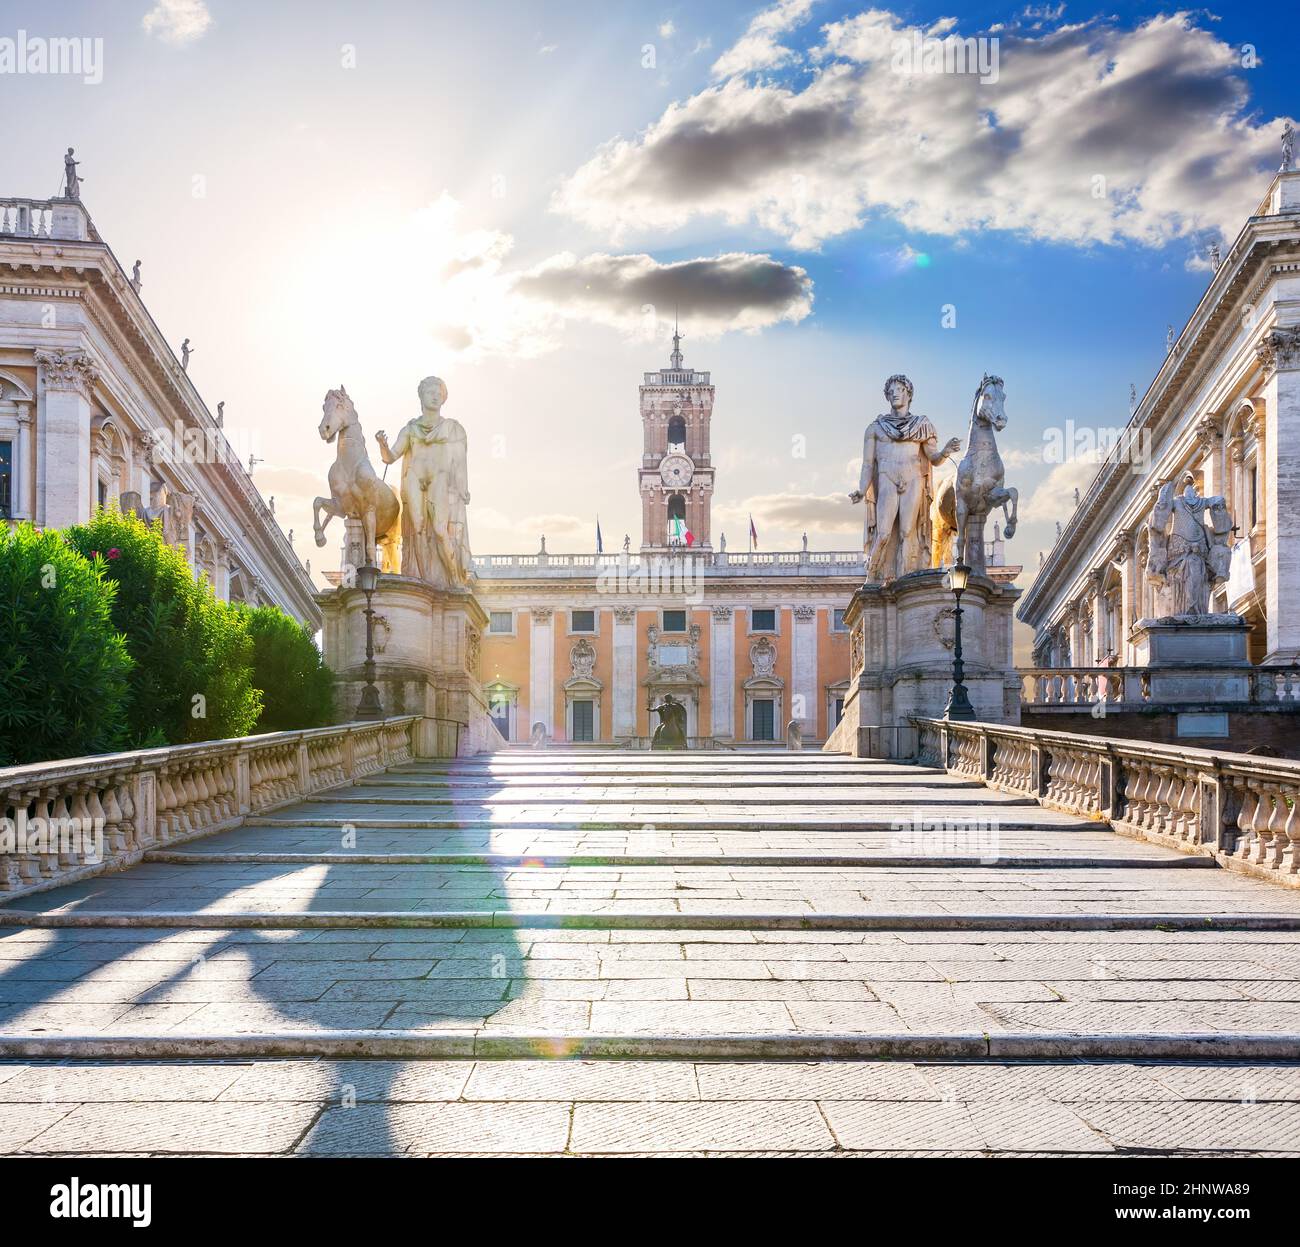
128	803
1241	810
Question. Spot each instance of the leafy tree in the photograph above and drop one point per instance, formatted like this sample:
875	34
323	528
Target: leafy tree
192	679
297	687
64	665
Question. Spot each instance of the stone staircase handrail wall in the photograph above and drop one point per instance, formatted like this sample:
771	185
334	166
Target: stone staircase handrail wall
150	798
1240	809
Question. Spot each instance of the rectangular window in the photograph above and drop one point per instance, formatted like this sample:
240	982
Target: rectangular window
674	621
584	721
839	711
1254	507
762	620
6	479
103	496
765	720
582	621
501	621
837	621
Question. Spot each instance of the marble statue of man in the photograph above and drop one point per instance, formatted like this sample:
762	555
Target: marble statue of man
435	490
1187	557
899	454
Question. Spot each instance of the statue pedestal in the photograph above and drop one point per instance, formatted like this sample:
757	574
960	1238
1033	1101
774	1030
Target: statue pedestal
1214	643
901	647
427	644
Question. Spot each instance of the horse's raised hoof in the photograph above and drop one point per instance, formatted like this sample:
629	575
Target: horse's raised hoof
1009	528
320	539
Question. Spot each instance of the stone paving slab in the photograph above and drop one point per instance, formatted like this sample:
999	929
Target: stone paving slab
642	983
219	888
558	1107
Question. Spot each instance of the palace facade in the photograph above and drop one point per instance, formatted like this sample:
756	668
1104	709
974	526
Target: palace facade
578	645
1225	406
96	408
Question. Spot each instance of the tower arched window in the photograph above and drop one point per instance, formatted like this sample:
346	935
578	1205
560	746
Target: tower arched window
677	433
676	511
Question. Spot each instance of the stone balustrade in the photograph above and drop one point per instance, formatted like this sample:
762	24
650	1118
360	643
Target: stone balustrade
1115	686
1242	810
128	803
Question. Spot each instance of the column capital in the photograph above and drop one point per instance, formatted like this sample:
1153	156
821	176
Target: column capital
1279	349
68	370
723	614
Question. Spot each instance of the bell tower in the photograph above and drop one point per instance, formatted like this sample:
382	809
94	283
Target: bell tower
676	473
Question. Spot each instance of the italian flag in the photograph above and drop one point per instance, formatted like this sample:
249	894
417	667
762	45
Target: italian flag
678	531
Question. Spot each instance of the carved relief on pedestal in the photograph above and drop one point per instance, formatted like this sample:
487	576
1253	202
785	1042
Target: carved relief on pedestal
945	626
473	644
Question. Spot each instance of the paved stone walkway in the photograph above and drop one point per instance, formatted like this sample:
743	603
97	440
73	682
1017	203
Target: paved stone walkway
769	928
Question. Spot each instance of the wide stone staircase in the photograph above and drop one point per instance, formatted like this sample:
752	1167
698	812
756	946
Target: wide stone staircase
588	952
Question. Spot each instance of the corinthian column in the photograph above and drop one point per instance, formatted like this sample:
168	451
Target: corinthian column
64	488
1279	354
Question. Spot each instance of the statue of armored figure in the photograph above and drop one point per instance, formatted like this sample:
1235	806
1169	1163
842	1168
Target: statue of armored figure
899	454
1187	557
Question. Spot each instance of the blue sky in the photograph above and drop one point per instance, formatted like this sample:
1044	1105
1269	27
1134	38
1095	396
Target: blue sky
495	192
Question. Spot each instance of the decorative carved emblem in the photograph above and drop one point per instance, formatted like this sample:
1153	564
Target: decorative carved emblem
945	626
625	614
762	654
542	614
723	614
383	631
805	612
582	657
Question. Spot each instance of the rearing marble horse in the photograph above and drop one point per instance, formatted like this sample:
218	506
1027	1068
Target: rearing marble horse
356	491
962	505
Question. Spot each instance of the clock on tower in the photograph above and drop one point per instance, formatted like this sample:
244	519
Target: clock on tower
676	473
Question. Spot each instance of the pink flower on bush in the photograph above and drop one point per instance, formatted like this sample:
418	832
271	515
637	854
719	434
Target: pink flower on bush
114	553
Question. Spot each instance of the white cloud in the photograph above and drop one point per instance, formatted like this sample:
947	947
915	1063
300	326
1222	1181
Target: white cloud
758	48
738	291
1054	498
667	29
783	517
1156	116
177	21
455	286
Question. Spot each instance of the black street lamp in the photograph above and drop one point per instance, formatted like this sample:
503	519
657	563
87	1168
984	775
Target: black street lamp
369	707
959	706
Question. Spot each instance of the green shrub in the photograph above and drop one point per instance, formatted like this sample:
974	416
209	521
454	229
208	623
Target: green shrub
64	665
192	679
297	687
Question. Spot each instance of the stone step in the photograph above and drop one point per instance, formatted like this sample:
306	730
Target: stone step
663	820
201	856
664	1107
773	1046
627	920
